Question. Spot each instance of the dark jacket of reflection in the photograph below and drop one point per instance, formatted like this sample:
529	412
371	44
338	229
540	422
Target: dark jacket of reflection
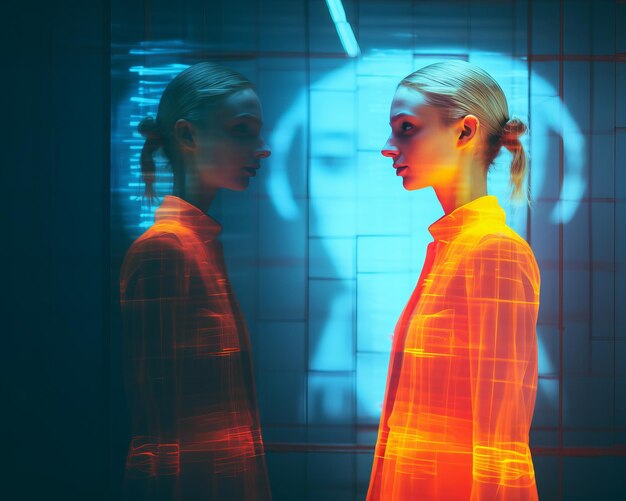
195	424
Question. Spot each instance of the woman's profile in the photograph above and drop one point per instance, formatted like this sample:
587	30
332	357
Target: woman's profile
195	422
462	379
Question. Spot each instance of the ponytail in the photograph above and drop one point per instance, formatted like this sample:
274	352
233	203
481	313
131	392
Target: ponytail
511	132
149	129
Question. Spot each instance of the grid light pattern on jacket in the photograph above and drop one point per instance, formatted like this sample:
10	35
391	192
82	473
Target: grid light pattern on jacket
195	423
462	378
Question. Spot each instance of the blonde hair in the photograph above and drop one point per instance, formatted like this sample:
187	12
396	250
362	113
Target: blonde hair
191	95
459	88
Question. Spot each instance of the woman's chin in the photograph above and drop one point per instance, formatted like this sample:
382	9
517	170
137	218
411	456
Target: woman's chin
412	184
240	184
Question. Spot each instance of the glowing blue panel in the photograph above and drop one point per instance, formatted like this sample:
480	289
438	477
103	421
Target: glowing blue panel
371	377
333	218
383	214
374	111
332	258
331	400
331	325
333	132
380	300
548	350
377	178
332	176
386	64
389	254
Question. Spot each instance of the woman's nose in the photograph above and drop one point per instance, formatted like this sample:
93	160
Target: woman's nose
263	151
390	150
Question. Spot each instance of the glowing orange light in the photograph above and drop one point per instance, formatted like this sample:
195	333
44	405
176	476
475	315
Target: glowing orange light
462	379
189	374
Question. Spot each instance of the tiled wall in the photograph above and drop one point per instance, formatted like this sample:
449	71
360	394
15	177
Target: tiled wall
325	248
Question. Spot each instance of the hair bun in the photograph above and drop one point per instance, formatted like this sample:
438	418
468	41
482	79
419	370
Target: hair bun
511	132
149	129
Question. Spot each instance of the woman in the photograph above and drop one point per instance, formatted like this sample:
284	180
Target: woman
462	379
195	423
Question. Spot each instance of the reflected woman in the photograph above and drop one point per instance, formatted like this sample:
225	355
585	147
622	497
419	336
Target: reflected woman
462	379
195	422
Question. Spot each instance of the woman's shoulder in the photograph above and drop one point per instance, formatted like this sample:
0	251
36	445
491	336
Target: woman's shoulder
496	236
500	238
503	245
158	244
164	236
158	239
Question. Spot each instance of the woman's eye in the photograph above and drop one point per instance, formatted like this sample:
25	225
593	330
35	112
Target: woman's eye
241	129
406	126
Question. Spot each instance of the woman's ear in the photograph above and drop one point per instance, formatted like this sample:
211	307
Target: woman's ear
185	134
468	128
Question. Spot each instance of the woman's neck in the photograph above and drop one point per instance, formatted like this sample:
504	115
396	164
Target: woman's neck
189	192
202	202
470	184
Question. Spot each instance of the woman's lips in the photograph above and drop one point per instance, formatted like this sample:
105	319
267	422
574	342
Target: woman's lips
251	171
401	169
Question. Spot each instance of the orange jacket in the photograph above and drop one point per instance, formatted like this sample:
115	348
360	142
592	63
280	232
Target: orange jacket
462	378
195	423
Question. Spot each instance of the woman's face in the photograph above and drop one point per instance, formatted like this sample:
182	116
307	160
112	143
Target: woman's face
424	149
229	148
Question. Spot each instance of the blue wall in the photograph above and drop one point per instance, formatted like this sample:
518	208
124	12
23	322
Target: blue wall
325	247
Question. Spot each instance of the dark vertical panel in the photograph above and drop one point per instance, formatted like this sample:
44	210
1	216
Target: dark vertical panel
594	478
442	24
619	252
619	18
484	18
577	26
385	24
57	183
560	242
545	15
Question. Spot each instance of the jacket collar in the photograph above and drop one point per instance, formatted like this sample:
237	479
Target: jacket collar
483	210
176	210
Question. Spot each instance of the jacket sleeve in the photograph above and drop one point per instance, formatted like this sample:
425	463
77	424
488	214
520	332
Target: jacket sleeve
502	281
154	292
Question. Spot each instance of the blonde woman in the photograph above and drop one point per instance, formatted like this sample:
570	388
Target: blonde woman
195	423
462	378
